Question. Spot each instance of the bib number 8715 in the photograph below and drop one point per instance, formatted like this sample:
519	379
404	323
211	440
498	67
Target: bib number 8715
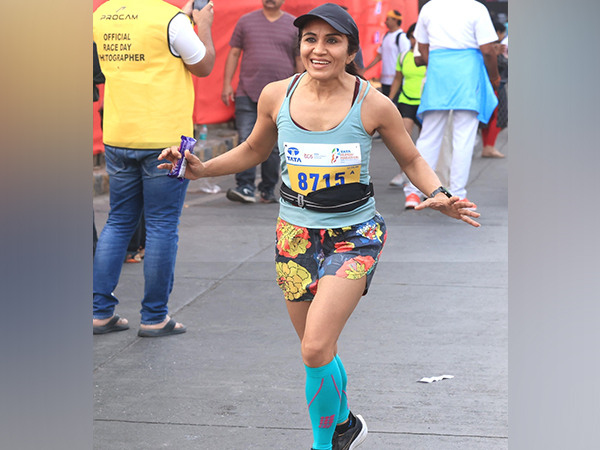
303	180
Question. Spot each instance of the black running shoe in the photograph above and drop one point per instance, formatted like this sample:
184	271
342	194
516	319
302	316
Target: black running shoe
353	436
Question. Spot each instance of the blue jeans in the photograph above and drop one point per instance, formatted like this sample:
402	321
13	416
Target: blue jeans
137	185
245	118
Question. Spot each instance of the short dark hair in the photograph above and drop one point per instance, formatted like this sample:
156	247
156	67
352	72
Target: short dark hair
411	30
353	47
398	13
499	26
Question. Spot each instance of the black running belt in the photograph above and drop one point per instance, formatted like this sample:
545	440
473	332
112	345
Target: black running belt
340	198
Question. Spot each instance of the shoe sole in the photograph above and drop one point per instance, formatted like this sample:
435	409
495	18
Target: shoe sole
362	435
113	329
235	196
153	333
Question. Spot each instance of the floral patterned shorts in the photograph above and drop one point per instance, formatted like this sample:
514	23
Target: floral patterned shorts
304	255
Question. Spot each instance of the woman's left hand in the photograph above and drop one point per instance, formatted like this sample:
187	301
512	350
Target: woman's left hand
462	210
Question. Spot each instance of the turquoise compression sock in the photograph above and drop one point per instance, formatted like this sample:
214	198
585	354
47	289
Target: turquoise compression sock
344	411
323	395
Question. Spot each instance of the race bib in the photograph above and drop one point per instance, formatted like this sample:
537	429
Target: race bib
316	166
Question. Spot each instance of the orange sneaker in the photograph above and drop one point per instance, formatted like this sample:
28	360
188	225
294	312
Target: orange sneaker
411	201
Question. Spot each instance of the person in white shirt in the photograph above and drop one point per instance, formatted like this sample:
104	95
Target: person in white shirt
457	43
394	43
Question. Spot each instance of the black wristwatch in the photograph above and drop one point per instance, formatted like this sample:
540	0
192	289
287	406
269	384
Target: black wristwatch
441	189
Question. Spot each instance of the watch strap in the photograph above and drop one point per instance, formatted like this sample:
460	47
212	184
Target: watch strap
441	189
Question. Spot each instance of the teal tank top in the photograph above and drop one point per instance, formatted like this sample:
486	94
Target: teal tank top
312	160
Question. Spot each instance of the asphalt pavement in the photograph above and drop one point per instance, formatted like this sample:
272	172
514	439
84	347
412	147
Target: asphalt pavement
235	381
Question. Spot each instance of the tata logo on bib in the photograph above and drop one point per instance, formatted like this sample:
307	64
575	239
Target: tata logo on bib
335	155
292	154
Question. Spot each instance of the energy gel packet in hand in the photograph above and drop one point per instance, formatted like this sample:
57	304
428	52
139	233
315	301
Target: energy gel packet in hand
178	171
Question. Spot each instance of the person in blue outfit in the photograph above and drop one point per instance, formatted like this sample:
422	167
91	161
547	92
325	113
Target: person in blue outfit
329	233
457	43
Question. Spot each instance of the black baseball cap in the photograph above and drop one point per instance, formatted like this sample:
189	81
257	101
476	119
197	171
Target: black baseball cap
334	15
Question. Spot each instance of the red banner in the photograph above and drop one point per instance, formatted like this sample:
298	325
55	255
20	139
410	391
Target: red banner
368	14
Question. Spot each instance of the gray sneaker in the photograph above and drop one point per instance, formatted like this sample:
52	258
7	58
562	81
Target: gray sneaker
353	436
242	194
399	180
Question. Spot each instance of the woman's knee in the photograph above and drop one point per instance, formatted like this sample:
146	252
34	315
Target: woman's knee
316	353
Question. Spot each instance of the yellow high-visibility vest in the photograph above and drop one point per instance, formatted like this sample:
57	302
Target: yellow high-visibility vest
149	95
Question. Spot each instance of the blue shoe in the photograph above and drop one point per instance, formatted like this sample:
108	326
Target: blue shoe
242	194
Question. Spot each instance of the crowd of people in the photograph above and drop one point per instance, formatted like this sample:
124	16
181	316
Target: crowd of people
299	97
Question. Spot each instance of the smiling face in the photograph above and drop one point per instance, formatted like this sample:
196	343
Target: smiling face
324	50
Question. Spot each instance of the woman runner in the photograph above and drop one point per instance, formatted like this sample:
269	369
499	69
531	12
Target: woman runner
329	235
